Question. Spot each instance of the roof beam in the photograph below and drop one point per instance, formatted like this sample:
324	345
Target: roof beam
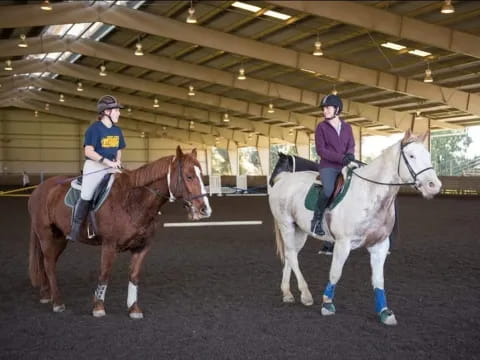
386	22
27	102
28	15
87	73
169	28
392	118
93	93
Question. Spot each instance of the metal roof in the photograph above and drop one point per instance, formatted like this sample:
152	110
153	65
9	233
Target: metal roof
383	89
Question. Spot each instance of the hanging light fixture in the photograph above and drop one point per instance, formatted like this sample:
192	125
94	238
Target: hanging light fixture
138	49
317	51
290	132
334	91
191	18
46	5
79	86
35	113
447	7
241	74
103	71
129	111
270	109
192	124
47	106
23	41
61	98
8	65
249	136
155	103
226	118
428	75
191	90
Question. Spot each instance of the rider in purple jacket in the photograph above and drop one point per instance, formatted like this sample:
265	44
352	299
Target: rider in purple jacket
335	145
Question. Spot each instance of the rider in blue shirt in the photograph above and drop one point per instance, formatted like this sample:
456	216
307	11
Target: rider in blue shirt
103	146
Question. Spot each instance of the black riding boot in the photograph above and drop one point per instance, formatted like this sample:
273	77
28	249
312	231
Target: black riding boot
79	214
318	214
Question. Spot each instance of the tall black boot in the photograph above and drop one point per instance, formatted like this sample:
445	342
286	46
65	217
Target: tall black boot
79	214
318	214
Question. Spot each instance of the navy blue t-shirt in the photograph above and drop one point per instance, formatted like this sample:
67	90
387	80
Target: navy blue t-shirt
106	141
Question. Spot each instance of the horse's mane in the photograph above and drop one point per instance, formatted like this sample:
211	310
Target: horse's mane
150	172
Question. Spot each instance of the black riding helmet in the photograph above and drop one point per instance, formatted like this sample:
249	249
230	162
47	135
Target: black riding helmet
107	102
332	100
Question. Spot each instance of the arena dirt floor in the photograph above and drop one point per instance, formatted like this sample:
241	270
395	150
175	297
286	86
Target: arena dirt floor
213	292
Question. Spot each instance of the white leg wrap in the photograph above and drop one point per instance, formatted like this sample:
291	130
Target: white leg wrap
132	294
100	292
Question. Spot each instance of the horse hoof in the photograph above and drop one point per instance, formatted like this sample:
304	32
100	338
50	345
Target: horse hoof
134	312
136	315
98	308
59	308
45	301
307	301
328	309
387	317
99	313
288	299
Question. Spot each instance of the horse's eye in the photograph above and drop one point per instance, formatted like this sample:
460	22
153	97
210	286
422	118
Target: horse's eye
189	178
412	157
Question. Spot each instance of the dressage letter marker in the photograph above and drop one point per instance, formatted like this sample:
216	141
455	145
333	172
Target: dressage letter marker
213	223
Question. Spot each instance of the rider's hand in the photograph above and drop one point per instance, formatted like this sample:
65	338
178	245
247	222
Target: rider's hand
348	158
114	164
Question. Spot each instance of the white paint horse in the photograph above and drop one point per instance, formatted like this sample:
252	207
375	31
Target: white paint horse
364	217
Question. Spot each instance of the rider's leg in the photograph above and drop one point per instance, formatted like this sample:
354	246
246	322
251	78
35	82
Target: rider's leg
328	177
92	175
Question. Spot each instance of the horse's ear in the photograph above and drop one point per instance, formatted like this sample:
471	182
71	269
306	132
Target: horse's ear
407	136
194	153
423	137
179	152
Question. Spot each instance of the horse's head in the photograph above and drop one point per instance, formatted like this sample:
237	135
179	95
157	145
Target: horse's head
415	165
185	182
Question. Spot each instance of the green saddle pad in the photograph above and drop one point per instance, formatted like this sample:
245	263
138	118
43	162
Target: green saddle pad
312	196
311	199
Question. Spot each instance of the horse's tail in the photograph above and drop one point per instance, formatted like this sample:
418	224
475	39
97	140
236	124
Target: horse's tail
35	263
279	242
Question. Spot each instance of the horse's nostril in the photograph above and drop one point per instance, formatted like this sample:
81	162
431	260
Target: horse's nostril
203	210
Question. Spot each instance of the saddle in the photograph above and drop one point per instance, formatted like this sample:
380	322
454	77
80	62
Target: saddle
100	195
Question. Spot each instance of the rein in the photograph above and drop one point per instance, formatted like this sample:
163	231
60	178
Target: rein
407	164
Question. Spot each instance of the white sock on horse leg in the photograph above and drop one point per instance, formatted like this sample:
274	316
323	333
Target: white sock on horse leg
132	294
100	292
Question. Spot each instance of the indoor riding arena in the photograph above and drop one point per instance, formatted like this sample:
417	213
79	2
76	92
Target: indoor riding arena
191	259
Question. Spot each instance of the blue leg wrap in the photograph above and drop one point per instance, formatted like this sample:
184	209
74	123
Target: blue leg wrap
380	300
329	291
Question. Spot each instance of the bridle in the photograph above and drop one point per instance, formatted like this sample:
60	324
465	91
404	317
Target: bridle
180	181
413	174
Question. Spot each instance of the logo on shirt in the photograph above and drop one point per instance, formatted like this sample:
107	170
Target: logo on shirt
111	141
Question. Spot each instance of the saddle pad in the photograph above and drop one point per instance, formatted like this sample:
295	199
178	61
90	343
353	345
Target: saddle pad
73	194
312	196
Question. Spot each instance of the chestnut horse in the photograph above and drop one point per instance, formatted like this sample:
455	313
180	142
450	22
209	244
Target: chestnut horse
126	222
